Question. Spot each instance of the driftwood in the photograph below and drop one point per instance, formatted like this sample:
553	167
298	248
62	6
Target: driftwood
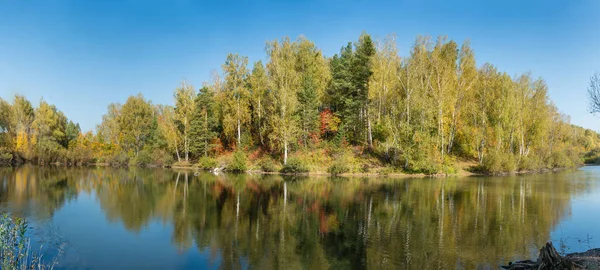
549	259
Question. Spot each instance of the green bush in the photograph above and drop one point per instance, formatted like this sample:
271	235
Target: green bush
364	168
239	162
268	165
207	163
118	159
567	158
162	158
294	165
387	171
143	158
499	163
529	163
5	155
15	251
338	167
592	157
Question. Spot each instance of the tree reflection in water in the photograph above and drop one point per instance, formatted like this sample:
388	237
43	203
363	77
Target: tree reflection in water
275	222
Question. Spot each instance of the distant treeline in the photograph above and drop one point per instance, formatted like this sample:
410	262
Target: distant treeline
364	107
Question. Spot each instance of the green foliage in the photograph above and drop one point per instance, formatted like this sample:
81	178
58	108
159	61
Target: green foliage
135	122
15	249
161	158
143	158
118	159
203	123
207	163
239	162
338	167
268	165
5	155
592	157
417	114
497	163
295	165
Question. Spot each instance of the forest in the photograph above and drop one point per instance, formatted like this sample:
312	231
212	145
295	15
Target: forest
366	109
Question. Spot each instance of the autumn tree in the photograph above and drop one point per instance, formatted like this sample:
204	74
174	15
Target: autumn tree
285	83
235	109
135	123
184	108
261	98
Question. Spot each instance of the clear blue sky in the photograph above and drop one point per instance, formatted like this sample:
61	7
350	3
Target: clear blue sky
83	55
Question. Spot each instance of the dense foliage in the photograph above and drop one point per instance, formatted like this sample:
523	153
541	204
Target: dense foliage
421	113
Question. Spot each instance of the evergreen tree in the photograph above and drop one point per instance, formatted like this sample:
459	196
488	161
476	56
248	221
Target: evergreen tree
204	123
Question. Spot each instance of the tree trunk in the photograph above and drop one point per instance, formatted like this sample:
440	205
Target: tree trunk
239	132
285	151
185	140
369	127
205	133
260	124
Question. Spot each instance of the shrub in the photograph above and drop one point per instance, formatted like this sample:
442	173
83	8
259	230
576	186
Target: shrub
162	158
143	158
387	171
564	159
528	163
364	168
499	163
593	156
239	162
181	163
338	167
5	155
207	163
294	165
15	248
118	159
268	165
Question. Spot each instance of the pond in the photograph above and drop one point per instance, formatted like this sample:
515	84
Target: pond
107	218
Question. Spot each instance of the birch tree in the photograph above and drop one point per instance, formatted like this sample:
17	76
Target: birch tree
235	111
184	108
285	82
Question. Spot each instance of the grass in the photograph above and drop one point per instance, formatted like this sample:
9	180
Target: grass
15	247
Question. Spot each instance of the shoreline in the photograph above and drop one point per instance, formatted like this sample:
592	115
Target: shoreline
398	175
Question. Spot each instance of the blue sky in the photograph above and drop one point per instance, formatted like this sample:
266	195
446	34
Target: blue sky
83	55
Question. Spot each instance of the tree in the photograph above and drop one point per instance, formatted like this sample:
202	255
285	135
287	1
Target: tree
362	70
235	109
262	101
135	123
204	123
166	126
594	93
314	76
71	133
49	127
308	107
284	80
467	77
184	107
348	91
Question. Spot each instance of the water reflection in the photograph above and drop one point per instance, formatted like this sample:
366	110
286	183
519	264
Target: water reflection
270	222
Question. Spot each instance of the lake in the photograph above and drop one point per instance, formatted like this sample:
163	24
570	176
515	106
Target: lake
107	218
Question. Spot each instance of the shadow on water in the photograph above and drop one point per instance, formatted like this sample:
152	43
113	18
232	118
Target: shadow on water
300	222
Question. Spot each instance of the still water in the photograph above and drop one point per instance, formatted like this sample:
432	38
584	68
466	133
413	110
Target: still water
106	218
